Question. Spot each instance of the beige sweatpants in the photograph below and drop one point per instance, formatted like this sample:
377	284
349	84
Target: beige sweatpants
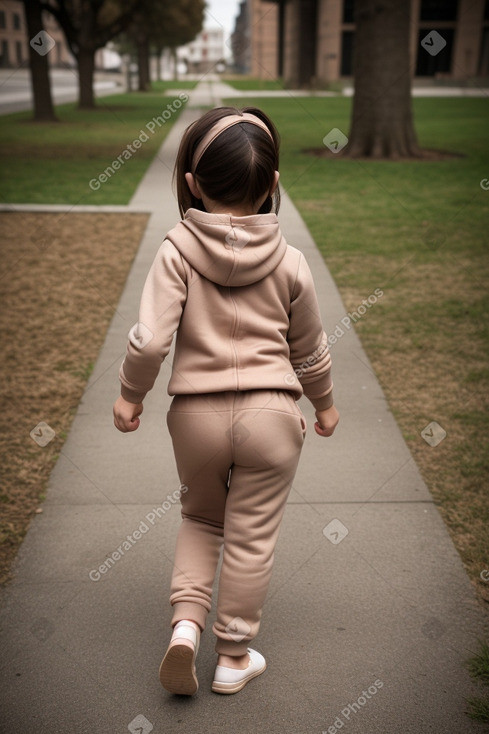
237	453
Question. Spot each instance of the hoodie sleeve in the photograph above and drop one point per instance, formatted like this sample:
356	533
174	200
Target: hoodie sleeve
162	302
309	352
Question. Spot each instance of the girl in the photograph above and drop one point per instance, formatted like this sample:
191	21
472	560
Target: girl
249	343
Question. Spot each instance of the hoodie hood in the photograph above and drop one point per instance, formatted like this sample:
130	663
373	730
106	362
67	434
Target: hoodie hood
228	250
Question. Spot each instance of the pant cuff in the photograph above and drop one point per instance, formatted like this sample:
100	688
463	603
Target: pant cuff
231	648
191	611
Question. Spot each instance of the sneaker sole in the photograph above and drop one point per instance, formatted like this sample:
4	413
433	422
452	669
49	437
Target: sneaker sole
177	670
236	687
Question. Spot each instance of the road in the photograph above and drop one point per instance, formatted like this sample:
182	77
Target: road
16	93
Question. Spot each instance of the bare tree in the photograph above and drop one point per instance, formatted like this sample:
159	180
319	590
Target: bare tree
38	63
382	121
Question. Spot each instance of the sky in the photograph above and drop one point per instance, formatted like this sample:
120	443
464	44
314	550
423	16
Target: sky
221	13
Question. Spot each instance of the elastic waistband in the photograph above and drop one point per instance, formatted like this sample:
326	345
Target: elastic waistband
282	400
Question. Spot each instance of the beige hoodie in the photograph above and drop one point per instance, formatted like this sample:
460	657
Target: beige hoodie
245	311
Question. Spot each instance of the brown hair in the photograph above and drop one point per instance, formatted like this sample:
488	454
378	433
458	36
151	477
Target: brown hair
237	167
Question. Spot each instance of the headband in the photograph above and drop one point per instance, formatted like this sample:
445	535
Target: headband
219	127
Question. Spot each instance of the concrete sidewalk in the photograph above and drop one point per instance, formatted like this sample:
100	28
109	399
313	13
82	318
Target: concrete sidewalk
370	614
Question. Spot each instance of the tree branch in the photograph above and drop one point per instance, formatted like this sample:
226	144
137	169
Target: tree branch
63	18
117	26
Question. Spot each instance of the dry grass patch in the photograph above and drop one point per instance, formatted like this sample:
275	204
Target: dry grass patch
62	278
427	340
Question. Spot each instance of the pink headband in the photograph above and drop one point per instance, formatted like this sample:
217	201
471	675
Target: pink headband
219	127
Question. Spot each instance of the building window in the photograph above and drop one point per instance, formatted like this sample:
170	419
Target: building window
16	19
348	11
4	59
428	65
347	53
2	19
438	10
484	54
18	53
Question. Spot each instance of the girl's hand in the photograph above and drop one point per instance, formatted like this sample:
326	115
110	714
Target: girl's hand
327	420
126	415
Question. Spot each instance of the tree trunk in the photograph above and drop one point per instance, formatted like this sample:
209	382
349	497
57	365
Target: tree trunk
382	122
307	35
158	52
175	63
41	87
86	67
143	65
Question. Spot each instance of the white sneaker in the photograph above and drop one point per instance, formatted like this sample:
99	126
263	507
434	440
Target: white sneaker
230	680
177	669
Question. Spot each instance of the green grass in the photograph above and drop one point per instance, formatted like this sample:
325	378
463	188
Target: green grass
418	231
169	84
54	163
246	84
478	666
479	709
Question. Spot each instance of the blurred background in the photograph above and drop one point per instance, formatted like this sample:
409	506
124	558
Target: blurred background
303	43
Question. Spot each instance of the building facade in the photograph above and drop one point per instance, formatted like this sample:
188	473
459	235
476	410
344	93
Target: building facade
240	40
255	41
204	53
311	42
14	44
